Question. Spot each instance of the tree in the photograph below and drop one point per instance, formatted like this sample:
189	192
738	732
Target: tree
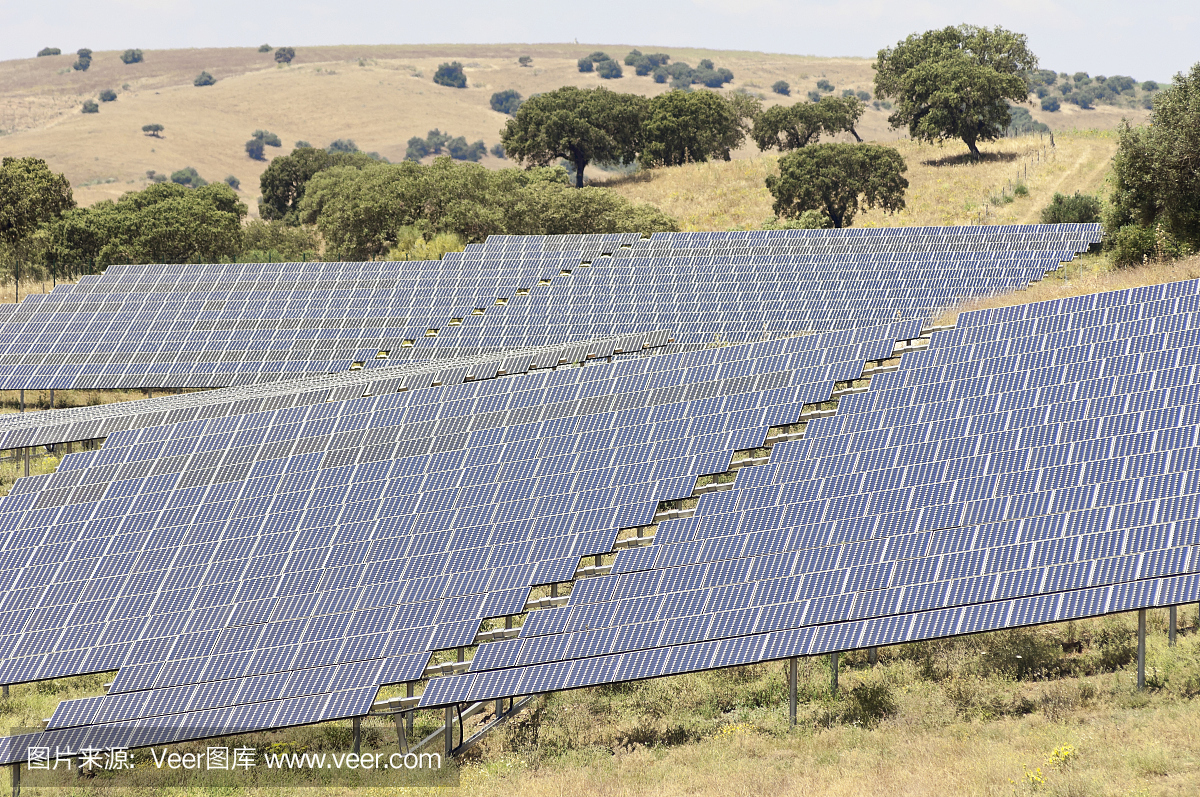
283	183
204	79
188	177
164	223
781	87
49	51
131	57
1156	185
954	82
451	75
633	56
267	138
153	130
791	127
507	101
525	60
585	65
608	69
233	182
30	196
284	55
343	145
276	242
264	48
580	125
824	85
831	178
255	149
1077	209
460	150
684	126
498	151
90	106
83	60
108	95
1050	104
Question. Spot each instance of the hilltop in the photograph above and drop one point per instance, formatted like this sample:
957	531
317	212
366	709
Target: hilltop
379	96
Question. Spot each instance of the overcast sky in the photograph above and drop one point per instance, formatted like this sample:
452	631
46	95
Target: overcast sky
1148	39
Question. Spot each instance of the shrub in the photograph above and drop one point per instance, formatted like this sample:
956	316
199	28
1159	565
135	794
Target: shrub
598	56
814	96
1080	77
864	96
608	69
188	177
255	149
268	138
81	64
525	60
633	57
284	55
1149	85
49	51
705	63
345	145
301	144
152	130
90	106
660	75
1121	84
868	703
460	150
264	48
1115	641
586	65
781	87
232	182
108	95
506	102
276	241
131	57
498	151
204	79
451	75
824	85
1051	104
155	177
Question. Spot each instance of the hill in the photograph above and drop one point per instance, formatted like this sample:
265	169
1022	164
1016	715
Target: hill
379	96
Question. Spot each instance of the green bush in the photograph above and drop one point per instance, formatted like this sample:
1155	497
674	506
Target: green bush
632	57
233	182
1149	85
108	95
814	96
90	106
608	69
131	57
81	64
498	151
49	51
660	75
586	65
598	56
255	149
1115	641
525	60
808	220
1076	209
451	75
864	96
506	102
1051	104
275	241
188	177
868	703
153	130
284	55
267	138
781	87
264	48
204	79
460	150
824	85
343	145
643	67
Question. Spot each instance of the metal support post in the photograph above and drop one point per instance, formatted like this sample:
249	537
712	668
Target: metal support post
554	590
461	655
1172	619
400	735
4	693
449	734
26	450
872	655
1141	649
22	401
51	399
408	718
356	734
792	691
833	673
16	779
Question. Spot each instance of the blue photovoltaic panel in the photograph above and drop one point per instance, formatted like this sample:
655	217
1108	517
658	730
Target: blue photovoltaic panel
199	326
1038	463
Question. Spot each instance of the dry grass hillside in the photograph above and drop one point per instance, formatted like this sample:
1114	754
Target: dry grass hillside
944	187
379	96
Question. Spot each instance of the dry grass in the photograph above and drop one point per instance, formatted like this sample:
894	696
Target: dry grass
1089	273
944	187
377	95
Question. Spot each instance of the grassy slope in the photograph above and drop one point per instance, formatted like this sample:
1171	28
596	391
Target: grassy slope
372	94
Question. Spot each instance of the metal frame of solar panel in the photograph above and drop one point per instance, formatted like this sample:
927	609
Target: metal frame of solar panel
201	326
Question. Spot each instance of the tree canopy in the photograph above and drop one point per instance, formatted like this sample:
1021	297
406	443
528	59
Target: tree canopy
787	127
836	179
283	182
153	129
506	102
284	55
955	82
451	75
30	195
164	223
1156	182
689	126
204	79
579	125
131	57
362	213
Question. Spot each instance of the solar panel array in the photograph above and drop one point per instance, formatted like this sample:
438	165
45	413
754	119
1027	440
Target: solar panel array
270	554
1038	463
276	567
193	326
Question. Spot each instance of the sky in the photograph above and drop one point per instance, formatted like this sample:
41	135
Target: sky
1147	39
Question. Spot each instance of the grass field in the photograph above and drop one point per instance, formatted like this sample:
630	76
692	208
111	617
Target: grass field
379	96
